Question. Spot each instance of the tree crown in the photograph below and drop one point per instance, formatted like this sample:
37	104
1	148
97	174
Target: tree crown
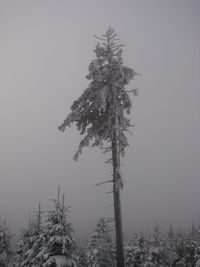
100	112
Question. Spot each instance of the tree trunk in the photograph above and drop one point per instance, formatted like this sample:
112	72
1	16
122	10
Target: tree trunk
117	204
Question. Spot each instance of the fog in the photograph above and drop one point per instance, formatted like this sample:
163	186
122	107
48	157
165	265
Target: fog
45	50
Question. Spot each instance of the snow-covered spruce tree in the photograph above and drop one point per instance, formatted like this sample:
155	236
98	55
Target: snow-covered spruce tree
81	256
136	251
197	255
197	248
5	248
186	250
170	243
100	114
157	254
100	252
31	242
129	253
60	244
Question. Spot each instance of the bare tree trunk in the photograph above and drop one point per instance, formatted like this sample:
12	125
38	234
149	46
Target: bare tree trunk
117	204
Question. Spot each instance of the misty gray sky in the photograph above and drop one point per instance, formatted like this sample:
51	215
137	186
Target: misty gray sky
45	50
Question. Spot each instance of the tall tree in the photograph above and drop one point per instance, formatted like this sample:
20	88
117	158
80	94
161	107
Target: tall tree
100	114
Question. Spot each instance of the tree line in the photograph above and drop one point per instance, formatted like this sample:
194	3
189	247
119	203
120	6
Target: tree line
49	240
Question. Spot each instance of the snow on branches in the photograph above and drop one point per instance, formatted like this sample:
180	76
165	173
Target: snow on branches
100	112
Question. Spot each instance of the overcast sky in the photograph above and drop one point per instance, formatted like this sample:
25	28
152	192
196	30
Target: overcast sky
45	49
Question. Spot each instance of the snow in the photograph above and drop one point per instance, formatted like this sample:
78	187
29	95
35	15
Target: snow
60	260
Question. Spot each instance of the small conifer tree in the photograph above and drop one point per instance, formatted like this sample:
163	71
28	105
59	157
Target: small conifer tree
59	235
31	242
5	247
100	252
136	251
